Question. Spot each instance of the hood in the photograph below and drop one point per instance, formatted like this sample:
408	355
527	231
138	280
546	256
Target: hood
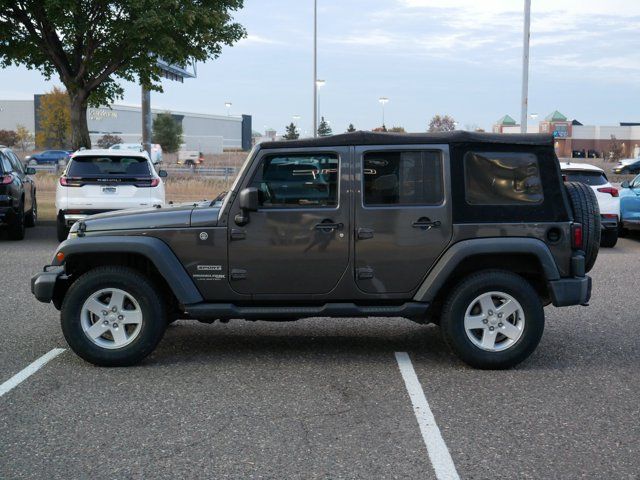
170	216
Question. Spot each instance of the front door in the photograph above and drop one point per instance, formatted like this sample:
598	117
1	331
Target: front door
403	216
298	240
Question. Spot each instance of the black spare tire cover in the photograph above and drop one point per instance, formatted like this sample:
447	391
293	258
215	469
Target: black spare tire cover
586	211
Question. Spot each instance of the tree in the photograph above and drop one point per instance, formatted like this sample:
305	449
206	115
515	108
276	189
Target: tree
92	44
292	133
55	120
324	130
442	123
383	128
24	138
8	138
167	132
351	128
615	149
107	140
397	130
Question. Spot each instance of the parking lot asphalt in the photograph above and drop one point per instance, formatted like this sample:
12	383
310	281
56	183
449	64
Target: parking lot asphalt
321	398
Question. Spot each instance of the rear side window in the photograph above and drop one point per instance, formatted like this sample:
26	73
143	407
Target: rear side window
589	178
402	178
108	165
298	180
502	178
5	165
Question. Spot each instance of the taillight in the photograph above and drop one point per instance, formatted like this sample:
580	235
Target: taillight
577	238
155	182
70	182
6	179
610	190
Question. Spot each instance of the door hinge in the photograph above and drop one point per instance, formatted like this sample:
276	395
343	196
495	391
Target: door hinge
238	274
365	273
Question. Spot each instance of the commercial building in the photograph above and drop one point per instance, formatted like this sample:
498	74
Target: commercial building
573	139
203	132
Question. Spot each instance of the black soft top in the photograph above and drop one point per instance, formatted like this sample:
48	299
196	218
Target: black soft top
380	138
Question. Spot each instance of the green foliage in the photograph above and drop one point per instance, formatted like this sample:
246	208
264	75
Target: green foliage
55	120
291	132
24	138
94	44
107	140
8	138
167	132
324	130
397	130
351	128
442	123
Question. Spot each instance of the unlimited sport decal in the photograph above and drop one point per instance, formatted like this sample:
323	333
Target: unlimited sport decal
209	273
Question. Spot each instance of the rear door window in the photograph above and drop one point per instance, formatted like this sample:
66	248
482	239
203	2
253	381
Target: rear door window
108	165
502	178
6	166
402	178
593	179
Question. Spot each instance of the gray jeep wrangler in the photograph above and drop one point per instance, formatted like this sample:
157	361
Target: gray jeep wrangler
473	232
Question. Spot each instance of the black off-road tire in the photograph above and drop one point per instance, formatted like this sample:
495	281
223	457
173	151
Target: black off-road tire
462	296
32	216
153	309
586	212
609	238
16	228
62	231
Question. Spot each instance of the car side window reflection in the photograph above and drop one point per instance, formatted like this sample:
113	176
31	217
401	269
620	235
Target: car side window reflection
305	180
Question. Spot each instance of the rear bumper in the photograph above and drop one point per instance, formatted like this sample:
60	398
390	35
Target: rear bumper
570	291
608	223
43	284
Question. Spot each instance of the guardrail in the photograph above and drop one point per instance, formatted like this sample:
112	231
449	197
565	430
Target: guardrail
209	172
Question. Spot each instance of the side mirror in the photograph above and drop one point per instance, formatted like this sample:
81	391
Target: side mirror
30	171
625	184
249	199
162	174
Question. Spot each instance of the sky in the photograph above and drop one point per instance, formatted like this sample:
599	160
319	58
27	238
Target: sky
456	57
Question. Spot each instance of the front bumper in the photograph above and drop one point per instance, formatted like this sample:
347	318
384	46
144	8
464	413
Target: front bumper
570	291
43	284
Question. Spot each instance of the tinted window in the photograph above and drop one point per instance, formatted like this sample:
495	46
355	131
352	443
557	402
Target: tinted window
6	165
589	178
17	165
402	178
502	178
105	165
298	180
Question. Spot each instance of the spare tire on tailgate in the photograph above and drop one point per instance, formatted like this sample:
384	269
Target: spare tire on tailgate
586	211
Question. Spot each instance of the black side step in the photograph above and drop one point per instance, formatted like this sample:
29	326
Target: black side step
225	311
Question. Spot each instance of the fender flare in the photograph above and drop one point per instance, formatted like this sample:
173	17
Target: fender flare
153	249
460	251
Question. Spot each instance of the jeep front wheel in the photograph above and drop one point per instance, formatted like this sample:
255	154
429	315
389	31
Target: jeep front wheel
113	317
493	320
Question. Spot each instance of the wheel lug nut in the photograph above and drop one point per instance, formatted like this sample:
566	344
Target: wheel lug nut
104	312
115	325
492	328
500	315
485	321
106	322
120	317
500	324
114	309
490	312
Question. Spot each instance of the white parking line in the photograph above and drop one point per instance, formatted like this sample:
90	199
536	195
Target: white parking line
436	448
25	373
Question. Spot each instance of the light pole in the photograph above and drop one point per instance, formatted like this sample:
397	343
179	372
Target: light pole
525	65
228	105
319	84
383	101
315	68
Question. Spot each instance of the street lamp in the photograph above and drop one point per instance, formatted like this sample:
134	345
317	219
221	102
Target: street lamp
228	105
525	65
383	101
318	85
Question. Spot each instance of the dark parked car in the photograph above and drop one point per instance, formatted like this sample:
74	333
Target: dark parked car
473	232
48	157
627	166
18	205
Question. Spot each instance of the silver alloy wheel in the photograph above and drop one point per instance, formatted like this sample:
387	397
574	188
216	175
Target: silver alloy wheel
111	318
494	321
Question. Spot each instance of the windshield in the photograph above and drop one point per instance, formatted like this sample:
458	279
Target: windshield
108	165
593	179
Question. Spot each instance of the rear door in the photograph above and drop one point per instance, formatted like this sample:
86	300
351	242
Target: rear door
402	215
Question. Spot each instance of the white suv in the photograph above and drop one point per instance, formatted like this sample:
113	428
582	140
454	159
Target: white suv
97	181
607	194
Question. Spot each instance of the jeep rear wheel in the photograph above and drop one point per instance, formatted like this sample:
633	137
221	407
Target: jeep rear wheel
584	204
113	317
493	320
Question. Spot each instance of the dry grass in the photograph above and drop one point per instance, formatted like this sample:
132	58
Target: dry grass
178	189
